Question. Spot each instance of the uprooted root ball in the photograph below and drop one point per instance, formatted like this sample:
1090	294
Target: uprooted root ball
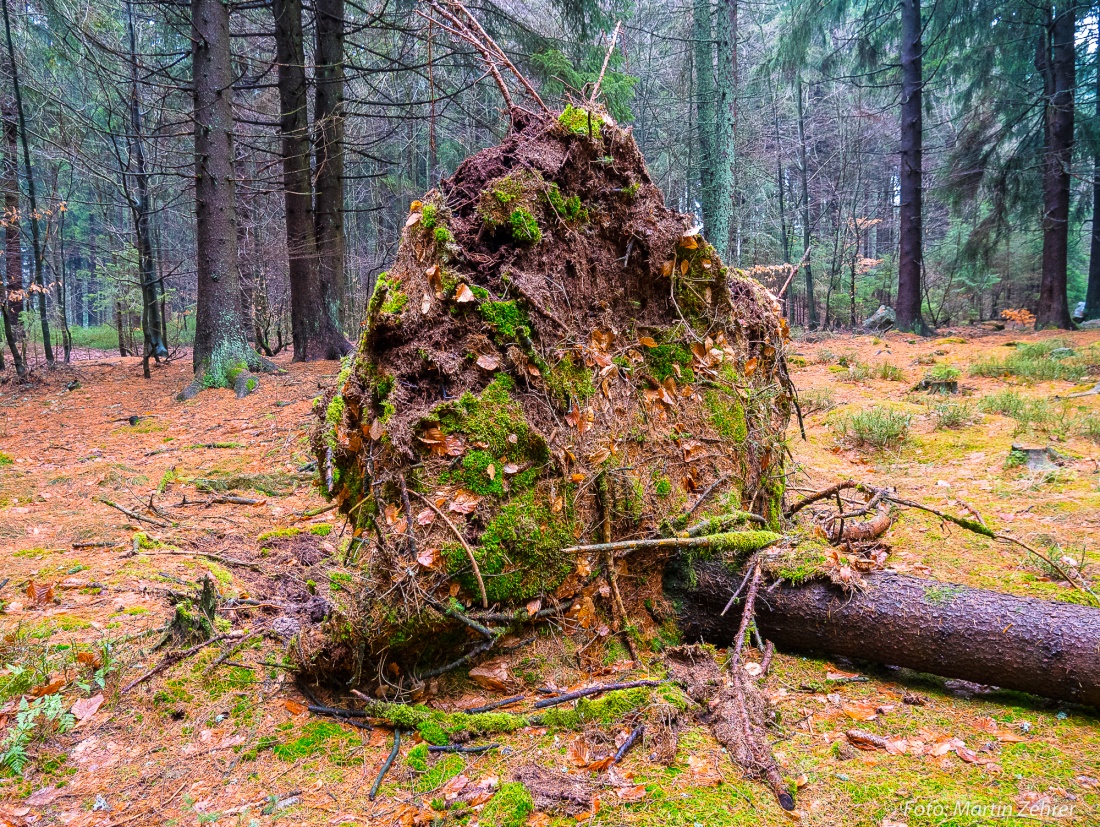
554	359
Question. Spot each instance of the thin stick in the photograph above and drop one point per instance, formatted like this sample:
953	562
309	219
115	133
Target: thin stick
232	650
172	658
638	732
705	494
737	594
133	515
469	656
515	699
462	32
462	749
336	712
747	614
218	558
592	690
457	615
386	766
606	60
465	545
655	544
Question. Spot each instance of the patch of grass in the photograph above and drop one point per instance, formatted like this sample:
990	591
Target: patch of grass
951	415
876	427
889	372
509	807
816	400
943	373
1049	416
319	737
1051	359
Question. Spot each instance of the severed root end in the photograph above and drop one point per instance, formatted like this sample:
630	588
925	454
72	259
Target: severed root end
244	384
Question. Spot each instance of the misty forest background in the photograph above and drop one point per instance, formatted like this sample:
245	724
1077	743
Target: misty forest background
236	175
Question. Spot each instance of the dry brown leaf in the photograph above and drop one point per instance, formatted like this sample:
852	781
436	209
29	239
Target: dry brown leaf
293	707
376	430
837	675
666	268
647	341
689	242
599	455
39	593
860	711
464	502
425	517
412	219
685	265
428	558
50	688
87	659
425	304
464	294
750	366
692	448
85	708
415	206
492	675
488	361
538	819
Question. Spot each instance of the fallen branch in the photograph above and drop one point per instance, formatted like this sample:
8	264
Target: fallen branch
386	766
515	699
732	540
592	690
461	749
133	515
218	558
628	743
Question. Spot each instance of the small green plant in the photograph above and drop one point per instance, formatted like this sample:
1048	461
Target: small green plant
876	427
853	371
36	719
1088	427
1048	360
5	459
580	121
525	228
951	415
428	216
889	372
943	373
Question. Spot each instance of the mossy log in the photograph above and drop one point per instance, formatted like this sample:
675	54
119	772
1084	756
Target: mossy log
1044	647
555	360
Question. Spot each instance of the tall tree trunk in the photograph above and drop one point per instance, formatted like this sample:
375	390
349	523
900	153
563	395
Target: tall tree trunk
910	233
305	293
221	352
807	231
720	232
1092	297
11	298
328	118
1056	61
60	275
140	210
32	201
703	34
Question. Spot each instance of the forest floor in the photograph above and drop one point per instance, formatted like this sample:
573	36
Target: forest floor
223	736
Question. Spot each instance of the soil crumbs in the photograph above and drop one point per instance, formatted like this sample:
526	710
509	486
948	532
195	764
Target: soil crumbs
224	735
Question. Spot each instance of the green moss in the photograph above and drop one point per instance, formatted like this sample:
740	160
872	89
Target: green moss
726	414
570	209
443	770
319	737
509	807
474	474
5	459
570	381
631	191
442	235
321	530
492	418
661	361
278	533
525	227
438	727
335	410
519	553
429	214
339	580
804	562
580	121
507	318
663	487
395	302
612	707
417	759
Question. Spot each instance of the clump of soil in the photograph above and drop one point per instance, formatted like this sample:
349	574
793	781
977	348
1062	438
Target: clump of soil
555	359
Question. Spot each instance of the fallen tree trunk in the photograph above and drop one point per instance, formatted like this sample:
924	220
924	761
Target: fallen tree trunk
1039	646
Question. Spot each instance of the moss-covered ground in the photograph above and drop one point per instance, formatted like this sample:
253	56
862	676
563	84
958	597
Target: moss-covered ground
205	743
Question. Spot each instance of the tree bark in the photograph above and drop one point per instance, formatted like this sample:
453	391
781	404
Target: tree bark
725	115
807	230
328	122
1092	297
703	35
221	347
32	201
1044	647
910	233
140	210
1056	61
11	297
301	244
